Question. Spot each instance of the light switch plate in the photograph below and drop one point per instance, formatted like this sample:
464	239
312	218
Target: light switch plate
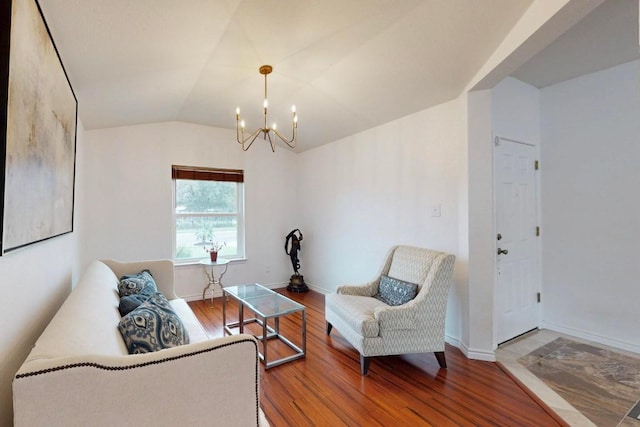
436	210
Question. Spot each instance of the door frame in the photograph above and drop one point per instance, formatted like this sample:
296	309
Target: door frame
495	141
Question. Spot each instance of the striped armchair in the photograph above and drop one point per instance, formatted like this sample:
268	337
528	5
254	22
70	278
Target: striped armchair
375	328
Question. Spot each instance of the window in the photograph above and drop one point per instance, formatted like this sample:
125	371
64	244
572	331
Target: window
209	206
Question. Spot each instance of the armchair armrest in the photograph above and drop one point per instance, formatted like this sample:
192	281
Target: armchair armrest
366	290
397	317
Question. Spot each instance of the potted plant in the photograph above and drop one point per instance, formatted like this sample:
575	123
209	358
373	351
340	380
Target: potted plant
214	248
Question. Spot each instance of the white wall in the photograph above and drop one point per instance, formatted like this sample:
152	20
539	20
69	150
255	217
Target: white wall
588	182
365	193
511	110
539	25
128	208
478	331
35	282
591	209
516	111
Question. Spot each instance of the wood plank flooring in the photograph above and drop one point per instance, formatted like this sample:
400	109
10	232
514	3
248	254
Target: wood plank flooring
326	389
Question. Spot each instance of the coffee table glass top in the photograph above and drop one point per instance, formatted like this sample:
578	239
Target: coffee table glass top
263	301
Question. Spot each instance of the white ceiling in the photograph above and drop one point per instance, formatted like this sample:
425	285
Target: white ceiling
347	65
606	37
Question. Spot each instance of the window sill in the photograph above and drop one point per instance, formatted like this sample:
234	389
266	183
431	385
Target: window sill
191	263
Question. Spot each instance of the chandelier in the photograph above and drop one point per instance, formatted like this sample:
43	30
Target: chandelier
265	131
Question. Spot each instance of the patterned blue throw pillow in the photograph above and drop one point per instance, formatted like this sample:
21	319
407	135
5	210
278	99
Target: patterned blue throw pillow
395	292
141	283
128	303
152	326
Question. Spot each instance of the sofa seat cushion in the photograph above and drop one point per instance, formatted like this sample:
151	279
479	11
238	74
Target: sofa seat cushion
357	312
189	320
153	326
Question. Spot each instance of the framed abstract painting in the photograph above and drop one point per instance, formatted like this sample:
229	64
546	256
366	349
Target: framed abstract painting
38	120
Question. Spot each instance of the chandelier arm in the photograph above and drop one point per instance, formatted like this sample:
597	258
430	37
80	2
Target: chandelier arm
273	146
251	137
243	139
240	140
255	135
290	142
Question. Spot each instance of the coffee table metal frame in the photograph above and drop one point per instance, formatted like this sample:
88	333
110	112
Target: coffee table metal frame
265	304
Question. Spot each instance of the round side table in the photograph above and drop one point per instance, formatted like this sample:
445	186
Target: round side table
210	269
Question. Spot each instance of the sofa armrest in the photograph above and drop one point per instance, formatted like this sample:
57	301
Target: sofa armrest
366	290
186	385
161	270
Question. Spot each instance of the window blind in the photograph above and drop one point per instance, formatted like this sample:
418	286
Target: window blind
206	174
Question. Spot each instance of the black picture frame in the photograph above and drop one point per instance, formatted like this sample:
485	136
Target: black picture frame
38	130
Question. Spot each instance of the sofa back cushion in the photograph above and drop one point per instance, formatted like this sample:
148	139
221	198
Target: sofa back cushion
87	321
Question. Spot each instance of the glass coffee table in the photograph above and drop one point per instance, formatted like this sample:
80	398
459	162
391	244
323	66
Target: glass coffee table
265	304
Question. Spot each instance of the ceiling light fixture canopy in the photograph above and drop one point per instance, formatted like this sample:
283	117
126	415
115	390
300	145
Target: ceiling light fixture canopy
266	131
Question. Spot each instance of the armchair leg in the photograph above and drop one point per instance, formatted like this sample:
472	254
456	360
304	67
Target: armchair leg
441	360
364	365
329	327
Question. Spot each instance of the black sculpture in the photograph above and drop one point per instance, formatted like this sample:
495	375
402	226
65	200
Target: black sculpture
296	283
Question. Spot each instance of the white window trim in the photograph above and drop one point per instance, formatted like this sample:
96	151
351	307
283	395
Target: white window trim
241	252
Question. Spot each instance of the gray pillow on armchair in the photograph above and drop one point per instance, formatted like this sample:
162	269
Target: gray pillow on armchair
395	292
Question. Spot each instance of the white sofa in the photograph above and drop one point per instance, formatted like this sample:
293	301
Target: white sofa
80	373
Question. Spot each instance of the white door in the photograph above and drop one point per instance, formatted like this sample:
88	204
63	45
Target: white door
516	239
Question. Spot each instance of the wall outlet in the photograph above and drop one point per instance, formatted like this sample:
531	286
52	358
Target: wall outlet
436	210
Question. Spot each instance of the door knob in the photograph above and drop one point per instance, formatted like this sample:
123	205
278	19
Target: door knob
502	251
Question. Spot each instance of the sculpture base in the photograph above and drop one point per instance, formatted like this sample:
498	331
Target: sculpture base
296	284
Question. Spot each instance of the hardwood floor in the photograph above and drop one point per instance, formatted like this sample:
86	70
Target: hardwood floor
326	389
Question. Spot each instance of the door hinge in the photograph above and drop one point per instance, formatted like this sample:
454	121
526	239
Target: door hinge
538	296
538	230
536	165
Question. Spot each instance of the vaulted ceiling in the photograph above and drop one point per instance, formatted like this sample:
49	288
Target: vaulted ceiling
346	65
608	36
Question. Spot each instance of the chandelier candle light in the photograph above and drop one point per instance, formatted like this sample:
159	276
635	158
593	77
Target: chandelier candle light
266	131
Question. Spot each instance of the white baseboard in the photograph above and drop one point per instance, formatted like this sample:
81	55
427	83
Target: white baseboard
590	336
485	356
195	297
218	293
318	289
452	341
